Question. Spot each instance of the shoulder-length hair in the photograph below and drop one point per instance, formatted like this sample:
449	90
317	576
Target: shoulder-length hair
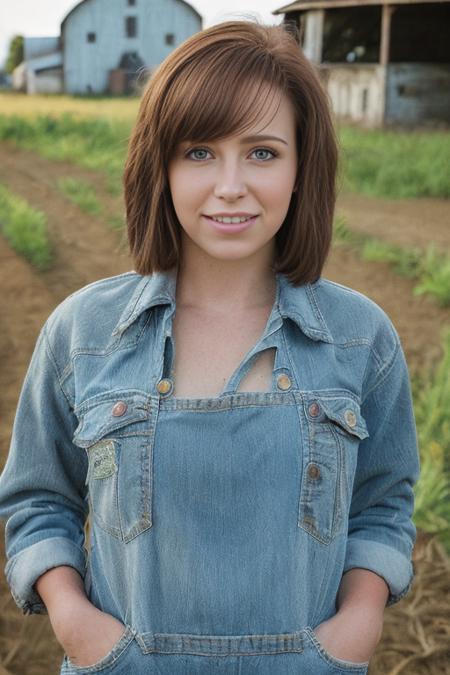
205	90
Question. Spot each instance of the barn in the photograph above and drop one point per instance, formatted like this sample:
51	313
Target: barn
105	46
383	63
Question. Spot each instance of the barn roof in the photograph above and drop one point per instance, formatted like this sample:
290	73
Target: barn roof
329	4
83	1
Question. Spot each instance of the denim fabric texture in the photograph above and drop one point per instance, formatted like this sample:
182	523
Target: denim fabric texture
220	527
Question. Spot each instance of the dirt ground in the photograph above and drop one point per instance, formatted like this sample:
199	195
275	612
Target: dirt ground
428	220
417	629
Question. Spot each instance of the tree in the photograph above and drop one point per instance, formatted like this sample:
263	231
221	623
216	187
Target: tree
15	55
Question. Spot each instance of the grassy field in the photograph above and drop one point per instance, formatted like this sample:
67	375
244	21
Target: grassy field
396	164
391	164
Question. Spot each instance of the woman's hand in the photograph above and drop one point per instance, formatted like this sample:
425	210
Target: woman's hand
352	634
85	632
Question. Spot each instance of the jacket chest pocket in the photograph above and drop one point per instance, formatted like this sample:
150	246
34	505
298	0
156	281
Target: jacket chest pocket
116	430
335	428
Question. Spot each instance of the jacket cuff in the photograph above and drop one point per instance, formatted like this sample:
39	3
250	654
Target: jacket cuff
396	569
24	568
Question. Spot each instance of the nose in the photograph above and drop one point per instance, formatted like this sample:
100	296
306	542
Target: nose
230	183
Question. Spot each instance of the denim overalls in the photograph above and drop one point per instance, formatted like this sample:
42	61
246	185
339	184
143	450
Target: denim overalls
220	525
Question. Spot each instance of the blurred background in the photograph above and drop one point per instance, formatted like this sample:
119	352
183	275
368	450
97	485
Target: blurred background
71	74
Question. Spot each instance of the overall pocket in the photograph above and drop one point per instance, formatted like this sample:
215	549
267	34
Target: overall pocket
115	657
335	428
337	665
116	430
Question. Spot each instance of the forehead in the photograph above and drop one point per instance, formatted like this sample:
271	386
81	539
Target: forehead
229	110
277	111
273	105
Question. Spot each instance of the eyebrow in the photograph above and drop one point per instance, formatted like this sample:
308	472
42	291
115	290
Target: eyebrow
248	139
262	137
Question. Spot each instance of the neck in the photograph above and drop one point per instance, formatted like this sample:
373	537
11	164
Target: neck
219	286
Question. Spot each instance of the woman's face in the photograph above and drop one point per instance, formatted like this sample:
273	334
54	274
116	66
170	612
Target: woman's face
249	176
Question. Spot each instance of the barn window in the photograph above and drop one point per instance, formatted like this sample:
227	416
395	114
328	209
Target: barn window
131	26
170	39
91	37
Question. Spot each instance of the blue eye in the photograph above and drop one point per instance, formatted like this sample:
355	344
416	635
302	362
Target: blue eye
265	150
197	150
201	154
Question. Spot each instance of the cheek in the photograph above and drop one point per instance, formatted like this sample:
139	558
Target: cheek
186	190
276	190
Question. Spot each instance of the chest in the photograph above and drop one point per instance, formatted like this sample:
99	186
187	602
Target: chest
208	350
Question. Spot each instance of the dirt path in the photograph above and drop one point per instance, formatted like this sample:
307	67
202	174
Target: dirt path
26	302
418	320
88	249
406	222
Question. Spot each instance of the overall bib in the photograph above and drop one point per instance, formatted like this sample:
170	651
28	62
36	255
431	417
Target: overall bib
246	516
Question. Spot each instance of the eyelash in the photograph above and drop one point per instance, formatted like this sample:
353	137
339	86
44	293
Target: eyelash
274	153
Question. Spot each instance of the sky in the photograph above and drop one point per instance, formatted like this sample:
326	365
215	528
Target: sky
43	17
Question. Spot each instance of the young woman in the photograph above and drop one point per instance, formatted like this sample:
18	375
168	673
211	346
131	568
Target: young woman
239	428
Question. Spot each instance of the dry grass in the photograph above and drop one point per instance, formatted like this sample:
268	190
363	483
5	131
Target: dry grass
416	635
30	106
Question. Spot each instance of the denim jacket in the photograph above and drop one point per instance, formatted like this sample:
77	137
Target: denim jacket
88	410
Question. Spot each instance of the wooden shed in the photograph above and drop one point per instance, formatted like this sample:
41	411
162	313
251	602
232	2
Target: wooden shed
383	63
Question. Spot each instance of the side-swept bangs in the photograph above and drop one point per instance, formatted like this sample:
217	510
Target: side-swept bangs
214	85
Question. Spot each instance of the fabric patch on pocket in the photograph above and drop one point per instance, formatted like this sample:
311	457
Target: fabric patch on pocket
103	459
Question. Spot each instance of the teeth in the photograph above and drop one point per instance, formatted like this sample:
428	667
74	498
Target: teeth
224	219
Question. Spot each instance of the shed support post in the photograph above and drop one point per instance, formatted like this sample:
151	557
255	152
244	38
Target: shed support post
312	44
385	33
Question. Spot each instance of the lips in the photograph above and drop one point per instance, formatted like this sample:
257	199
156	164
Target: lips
231	228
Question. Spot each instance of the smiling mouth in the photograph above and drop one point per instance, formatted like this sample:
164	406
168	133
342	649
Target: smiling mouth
231	220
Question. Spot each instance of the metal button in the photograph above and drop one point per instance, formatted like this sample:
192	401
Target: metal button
350	418
283	381
314	409
164	386
119	408
313	471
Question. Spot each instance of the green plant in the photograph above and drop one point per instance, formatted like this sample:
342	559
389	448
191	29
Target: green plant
435	276
430	268
25	228
432	411
15	53
404	260
117	222
81	193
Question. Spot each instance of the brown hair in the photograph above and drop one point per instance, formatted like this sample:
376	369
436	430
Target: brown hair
202	92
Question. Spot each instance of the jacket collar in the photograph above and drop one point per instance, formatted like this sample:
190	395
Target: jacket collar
297	303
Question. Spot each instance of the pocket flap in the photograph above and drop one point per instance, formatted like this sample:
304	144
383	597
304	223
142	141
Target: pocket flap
346	413
105	413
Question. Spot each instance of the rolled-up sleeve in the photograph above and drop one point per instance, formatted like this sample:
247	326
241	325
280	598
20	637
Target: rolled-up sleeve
381	533
42	486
